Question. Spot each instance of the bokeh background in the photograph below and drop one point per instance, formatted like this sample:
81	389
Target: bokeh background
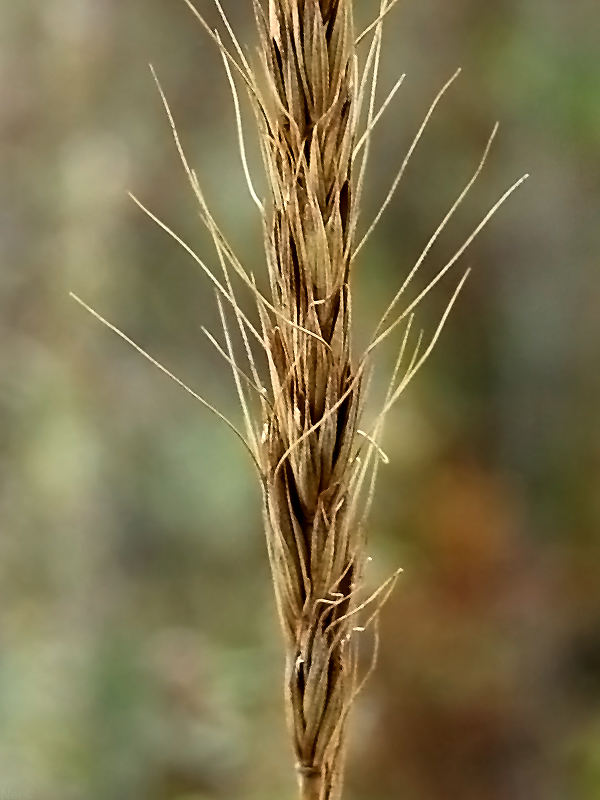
139	649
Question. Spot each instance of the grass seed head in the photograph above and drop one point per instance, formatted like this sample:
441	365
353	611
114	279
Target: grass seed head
308	133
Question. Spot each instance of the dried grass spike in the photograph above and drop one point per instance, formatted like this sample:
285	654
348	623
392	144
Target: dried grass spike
302	413
309	136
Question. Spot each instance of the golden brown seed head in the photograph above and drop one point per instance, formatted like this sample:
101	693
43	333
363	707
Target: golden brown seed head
316	553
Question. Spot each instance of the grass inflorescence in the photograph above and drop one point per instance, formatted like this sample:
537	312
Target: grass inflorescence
313	92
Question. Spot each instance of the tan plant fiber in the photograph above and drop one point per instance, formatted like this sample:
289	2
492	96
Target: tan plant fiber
314	101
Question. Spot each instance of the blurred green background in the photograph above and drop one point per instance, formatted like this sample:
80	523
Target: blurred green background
139	650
